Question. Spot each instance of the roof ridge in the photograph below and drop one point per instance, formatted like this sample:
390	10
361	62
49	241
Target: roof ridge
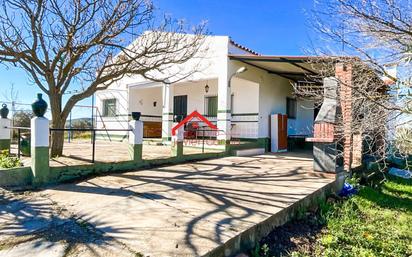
243	47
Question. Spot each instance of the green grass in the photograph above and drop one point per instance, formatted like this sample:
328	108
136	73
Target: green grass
376	222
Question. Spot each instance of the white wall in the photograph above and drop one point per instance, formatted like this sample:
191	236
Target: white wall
246	96
142	100
120	121
245	121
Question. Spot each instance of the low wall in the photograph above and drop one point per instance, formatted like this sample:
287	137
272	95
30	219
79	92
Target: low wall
23	178
16	177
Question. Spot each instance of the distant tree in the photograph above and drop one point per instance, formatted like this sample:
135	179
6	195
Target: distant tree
81	124
86	43
21	118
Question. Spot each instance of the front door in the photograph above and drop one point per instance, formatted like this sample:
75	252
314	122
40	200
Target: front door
179	107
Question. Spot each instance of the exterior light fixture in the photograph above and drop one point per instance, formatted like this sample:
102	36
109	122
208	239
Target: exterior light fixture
207	88
239	71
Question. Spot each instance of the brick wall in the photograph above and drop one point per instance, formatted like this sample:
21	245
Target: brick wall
343	73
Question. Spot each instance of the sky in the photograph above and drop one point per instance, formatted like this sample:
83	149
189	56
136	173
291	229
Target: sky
272	27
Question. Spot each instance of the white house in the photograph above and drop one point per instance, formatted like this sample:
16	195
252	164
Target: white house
240	103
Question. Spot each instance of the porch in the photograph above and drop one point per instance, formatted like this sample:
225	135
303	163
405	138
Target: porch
171	103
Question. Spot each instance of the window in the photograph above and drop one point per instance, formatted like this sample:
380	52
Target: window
291	106
211	106
109	107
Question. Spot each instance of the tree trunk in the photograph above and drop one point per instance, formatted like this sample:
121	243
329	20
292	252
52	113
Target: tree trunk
58	121
57	137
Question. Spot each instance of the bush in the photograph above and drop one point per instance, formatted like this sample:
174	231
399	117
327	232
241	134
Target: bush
6	161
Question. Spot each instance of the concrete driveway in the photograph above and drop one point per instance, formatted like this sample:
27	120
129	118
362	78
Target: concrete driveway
192	209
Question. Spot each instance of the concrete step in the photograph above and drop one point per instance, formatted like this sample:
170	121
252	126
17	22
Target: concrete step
250	152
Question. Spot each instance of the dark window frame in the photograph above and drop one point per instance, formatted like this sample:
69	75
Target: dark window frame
182	106
113	111
206	112
291	107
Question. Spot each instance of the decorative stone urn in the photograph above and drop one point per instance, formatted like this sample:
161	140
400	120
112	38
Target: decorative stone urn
4	111
39	106
136	115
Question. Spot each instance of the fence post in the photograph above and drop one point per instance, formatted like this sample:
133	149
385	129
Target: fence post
177	142
136	140
40	150
5	133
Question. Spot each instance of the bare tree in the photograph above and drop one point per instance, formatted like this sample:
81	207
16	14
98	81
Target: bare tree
378	36
89	45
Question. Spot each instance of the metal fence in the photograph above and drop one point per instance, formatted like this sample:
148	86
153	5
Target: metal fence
93	135
19	137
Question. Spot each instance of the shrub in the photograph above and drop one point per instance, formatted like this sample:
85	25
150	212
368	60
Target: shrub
6	161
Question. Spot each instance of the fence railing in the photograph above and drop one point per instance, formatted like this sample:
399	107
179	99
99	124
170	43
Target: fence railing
202	134
93	135
19	129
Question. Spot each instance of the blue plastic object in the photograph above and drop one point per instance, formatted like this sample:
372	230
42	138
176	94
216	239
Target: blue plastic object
348	190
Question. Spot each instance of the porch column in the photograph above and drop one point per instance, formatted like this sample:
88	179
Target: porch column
167	112
224	116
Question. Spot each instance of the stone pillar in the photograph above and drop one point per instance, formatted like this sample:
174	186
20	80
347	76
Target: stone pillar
167	112
40	150
136	140
343	73
5	134
177	142
224	115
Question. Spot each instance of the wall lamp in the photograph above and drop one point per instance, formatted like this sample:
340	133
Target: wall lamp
239	71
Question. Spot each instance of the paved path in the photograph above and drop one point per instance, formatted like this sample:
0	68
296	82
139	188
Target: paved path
180	210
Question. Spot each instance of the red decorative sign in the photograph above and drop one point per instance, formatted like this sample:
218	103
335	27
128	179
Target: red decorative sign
190	117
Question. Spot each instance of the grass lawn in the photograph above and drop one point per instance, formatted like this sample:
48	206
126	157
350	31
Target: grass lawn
375	222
